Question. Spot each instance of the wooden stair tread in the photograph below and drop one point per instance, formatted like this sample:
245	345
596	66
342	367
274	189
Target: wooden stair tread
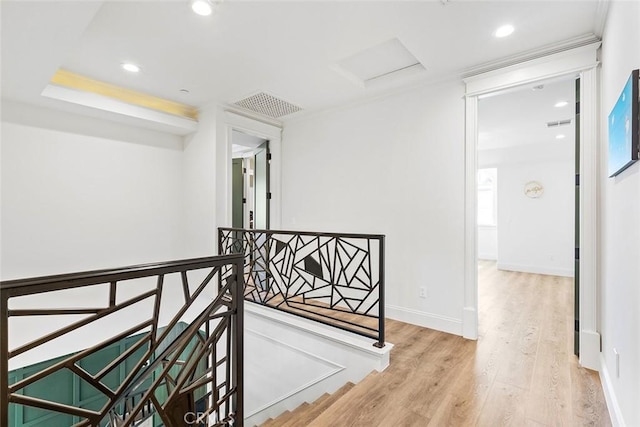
355	395
323	403
296	414
306	413
277	421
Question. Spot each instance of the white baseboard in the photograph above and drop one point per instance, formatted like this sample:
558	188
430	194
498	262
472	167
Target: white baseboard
610	396
487	257
424	319
551	271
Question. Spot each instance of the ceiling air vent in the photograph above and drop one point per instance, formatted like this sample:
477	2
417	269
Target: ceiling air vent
558	123
268	105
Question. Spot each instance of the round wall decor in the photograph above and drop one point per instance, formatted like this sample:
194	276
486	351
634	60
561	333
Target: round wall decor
533	189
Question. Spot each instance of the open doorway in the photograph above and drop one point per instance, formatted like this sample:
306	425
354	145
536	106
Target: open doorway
250	181
582	61
526	197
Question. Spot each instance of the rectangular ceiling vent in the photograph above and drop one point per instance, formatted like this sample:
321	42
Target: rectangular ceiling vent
558	123
268	105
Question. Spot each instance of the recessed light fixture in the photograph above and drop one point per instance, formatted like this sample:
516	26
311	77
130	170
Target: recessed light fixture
561	104
504	31
202	7
560	136
132	68
184	91
538	87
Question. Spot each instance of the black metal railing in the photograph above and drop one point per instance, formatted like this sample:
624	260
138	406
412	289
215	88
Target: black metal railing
177	375
332	278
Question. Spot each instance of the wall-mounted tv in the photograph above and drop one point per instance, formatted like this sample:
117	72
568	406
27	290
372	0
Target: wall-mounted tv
624	131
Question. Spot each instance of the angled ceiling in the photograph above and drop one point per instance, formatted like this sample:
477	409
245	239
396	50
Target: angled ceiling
290	49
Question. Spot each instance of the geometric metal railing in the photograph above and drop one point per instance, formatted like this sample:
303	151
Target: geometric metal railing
183	364
332	278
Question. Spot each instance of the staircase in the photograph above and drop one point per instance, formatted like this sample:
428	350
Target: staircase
306	413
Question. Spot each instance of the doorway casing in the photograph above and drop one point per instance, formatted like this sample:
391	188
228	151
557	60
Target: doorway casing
581	61
232	120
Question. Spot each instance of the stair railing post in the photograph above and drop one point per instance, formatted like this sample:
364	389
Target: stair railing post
238	337
381	299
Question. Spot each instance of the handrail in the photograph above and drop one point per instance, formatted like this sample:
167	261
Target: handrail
180	363
332	278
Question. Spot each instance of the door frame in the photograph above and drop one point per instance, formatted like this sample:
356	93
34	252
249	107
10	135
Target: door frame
231	121
580	61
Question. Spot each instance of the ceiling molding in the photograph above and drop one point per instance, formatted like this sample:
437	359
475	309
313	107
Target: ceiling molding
121	111
601	17
530	55
235	109
545	67
70	80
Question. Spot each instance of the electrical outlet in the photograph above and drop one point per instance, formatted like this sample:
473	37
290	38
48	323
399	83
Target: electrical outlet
615	352
423	292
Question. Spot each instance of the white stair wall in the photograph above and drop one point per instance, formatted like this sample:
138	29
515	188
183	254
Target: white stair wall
289	360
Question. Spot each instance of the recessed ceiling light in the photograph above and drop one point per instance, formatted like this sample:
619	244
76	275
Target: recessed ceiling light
504	31
560	136
132	68
184	91
202	7
538	87
561	104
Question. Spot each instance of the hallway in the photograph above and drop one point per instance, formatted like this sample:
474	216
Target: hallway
521	371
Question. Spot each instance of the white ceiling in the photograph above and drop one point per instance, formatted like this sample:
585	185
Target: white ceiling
520	117
287	48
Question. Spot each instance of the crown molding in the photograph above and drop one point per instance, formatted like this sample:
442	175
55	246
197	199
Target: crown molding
563	46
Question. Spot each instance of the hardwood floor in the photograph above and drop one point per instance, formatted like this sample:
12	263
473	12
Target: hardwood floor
520	372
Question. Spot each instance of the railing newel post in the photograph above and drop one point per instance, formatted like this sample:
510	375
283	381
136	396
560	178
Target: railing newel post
381	291
238	348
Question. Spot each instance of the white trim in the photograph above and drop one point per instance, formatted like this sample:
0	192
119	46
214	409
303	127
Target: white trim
424	319
548	67
230	121
617	420
348	339
534	54
601	16
589	131
120	110
565	272
470	310
583	61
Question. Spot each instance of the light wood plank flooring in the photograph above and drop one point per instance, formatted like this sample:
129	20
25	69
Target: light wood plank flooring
520	372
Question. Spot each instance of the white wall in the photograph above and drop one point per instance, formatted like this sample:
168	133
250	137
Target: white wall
199	188
393	166
620	228
488	242
73	201
536	235
82	194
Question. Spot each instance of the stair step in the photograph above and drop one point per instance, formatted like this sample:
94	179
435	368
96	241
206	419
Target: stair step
277	421
296	414
306	413
344	402
322	404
